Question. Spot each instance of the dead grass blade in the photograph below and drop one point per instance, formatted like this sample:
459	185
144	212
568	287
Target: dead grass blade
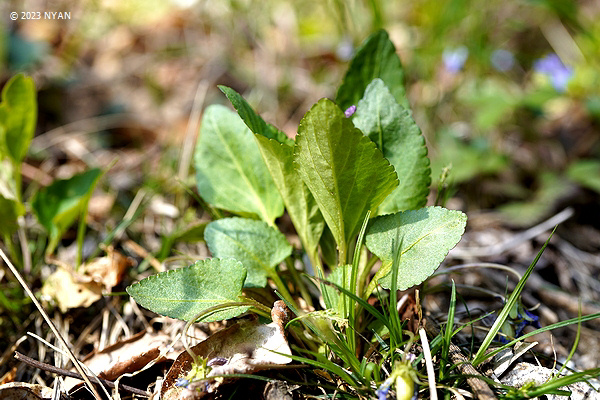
50	324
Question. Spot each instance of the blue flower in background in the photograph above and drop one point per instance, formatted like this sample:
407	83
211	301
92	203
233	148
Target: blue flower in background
553	67
454	59
502	60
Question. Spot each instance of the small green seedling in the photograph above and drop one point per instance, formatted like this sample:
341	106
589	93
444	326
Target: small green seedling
355	179
56	206
18	116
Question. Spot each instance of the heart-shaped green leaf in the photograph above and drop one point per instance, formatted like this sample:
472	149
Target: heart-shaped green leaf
256	245
18	116
58	205
185	292
397	135
376	58
343	169
424	238
230	172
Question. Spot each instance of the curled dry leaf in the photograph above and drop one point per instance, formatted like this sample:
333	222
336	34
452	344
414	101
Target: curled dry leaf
107	270
244	348
71	289
503	360
25	391
68	292
126	356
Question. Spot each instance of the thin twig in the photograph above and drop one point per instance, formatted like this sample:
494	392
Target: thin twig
143	253
71	374
50	324
191	132
78	128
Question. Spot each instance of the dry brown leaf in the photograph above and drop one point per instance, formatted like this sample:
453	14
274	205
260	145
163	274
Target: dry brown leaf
9	376
63	287
126	356
72	289
24	391
279	390
107	270
244	348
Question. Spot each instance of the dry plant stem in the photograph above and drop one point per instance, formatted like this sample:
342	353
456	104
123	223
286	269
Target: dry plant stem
71	374
187	149
35	174
481	389
140	251
77	128
50	324
429	364
24	246
481	265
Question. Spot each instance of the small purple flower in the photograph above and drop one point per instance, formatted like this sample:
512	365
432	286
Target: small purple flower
528	319
182	382
514	328
217	361
383	390
349	111
454	59
553	67
502	60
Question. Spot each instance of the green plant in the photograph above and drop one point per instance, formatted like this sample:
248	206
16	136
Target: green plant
56	206
18	115
354	181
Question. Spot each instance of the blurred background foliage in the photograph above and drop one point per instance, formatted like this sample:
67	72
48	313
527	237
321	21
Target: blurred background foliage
507	93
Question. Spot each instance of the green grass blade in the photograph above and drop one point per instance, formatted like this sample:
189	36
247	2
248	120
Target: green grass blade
554	384
510	303
396	326
354	311
557	325
575	343
369	308
326	365
448	329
